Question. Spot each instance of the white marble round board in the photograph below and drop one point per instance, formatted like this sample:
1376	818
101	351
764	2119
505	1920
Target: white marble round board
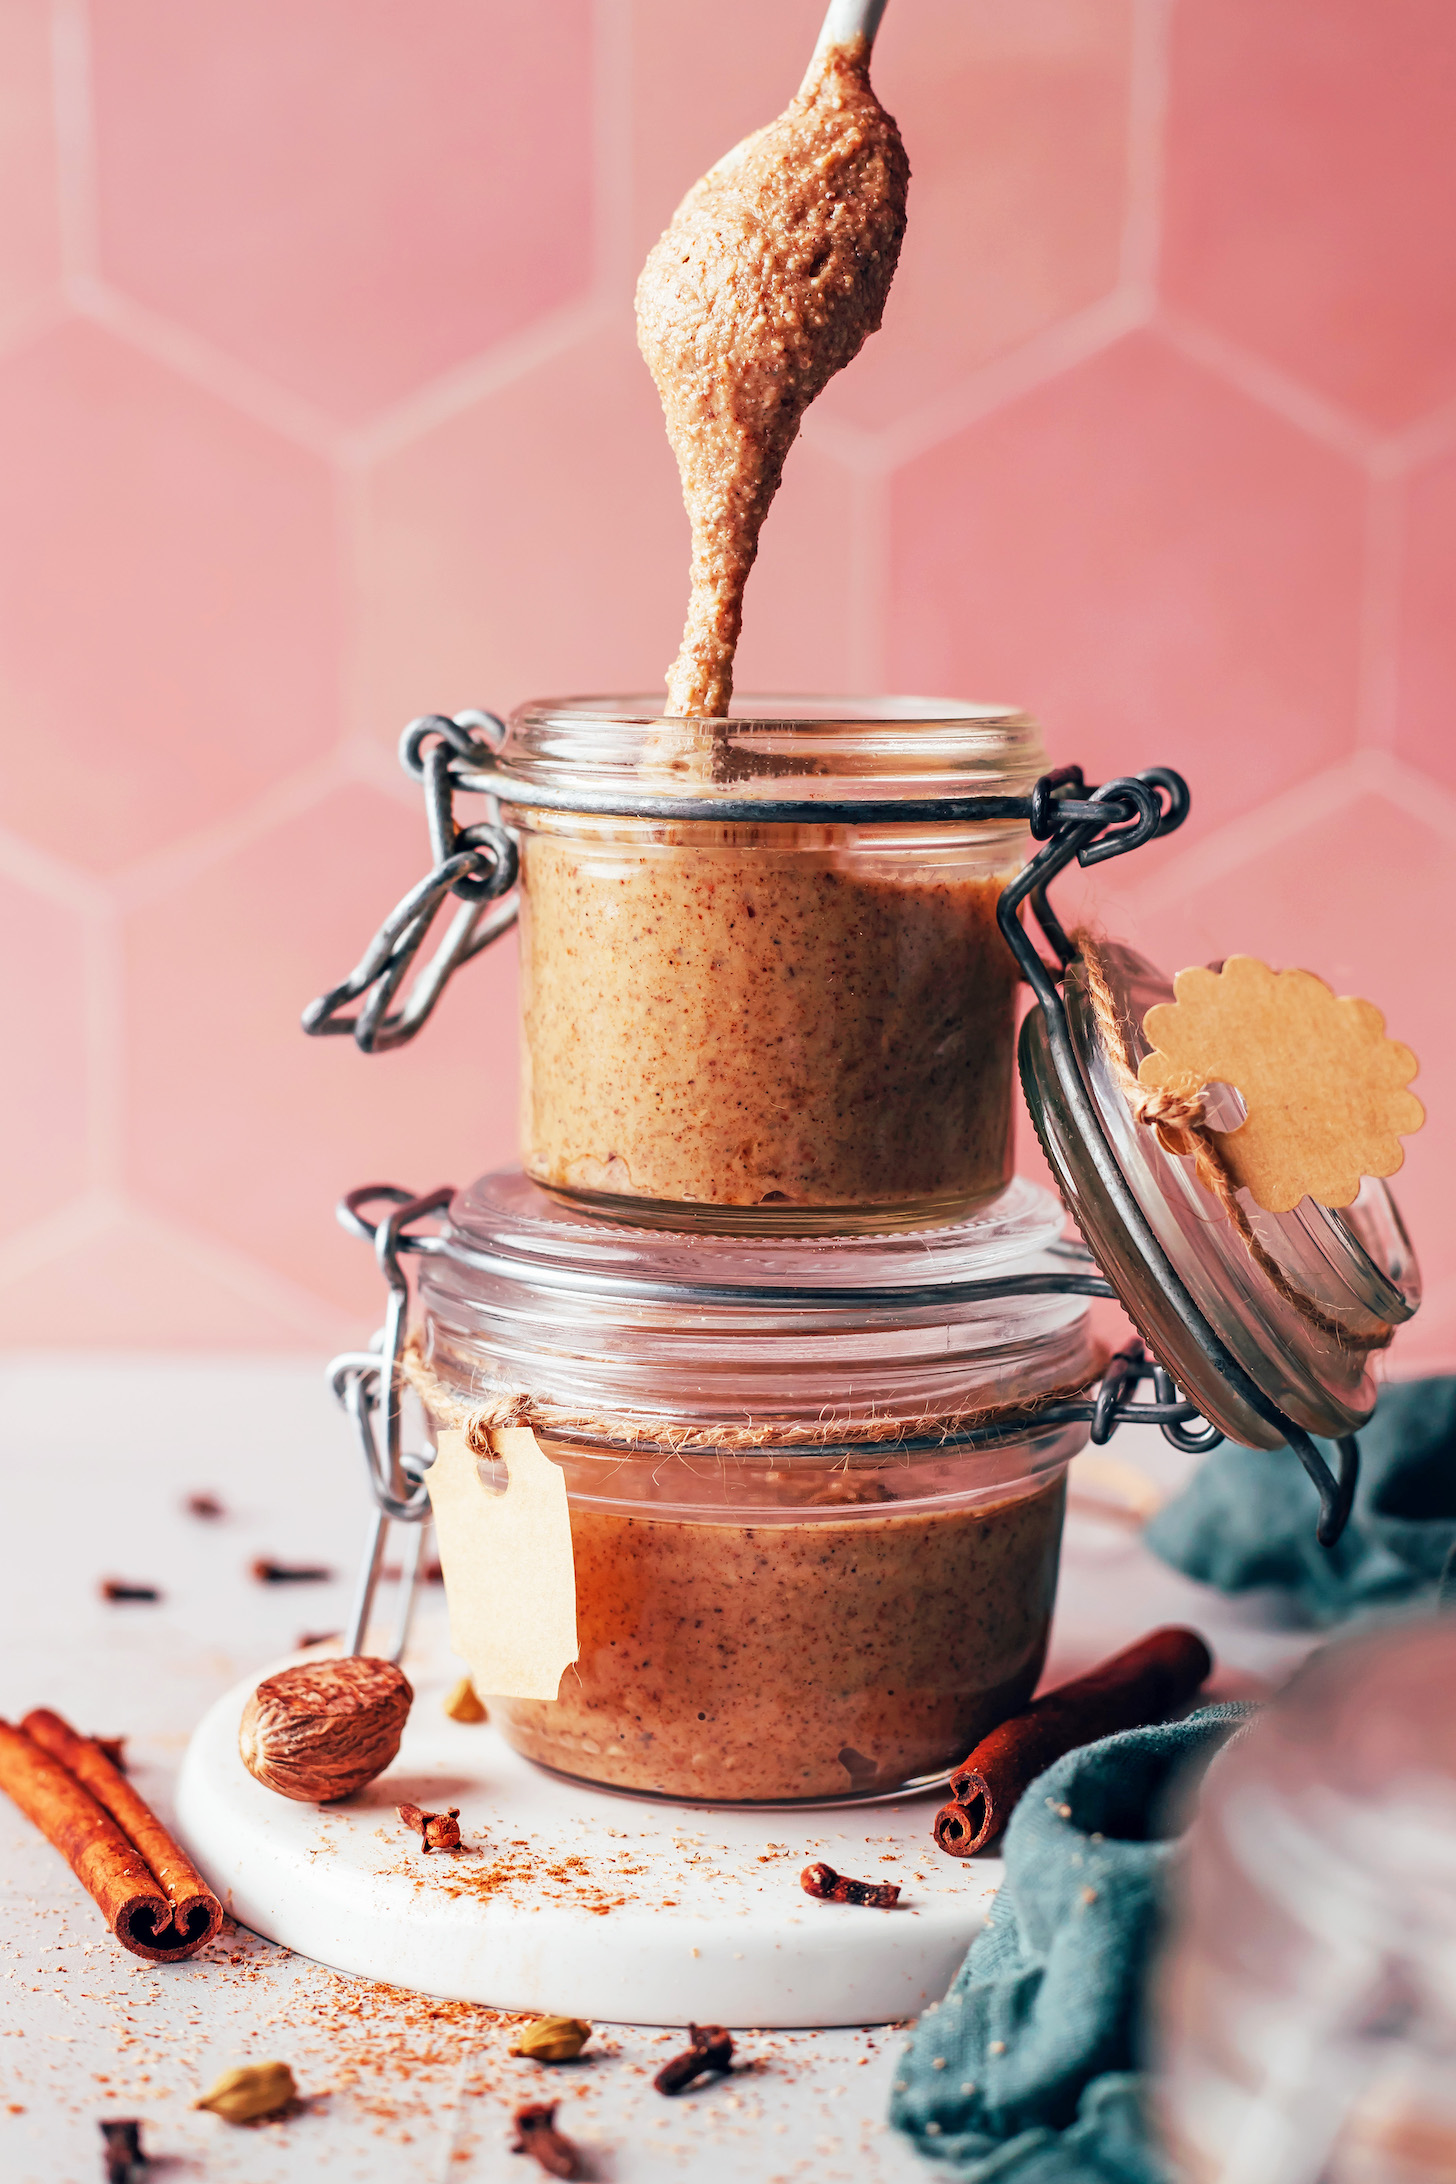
576	1901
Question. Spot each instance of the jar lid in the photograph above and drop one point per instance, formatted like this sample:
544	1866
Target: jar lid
524	1290
1250	1340
606	753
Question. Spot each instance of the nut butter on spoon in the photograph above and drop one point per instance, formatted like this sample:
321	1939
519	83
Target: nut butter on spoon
773	273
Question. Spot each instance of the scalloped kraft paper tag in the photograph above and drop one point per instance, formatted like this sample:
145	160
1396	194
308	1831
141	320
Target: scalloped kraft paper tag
1323	1088
510	1575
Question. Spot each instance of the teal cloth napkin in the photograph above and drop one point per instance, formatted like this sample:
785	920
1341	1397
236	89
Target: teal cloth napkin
1247	1516
1026	2070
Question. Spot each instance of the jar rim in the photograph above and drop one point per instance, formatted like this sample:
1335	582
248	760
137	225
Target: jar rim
772	748
505	1226
656	1327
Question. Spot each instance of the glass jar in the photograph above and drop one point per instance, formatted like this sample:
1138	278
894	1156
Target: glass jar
1303	2014
1354	1266
762	1623
767	1026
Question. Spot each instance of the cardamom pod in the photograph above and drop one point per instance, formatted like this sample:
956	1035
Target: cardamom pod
464	1703
552	2039
246	2094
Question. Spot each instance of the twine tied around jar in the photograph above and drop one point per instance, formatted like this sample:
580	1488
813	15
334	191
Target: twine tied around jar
1179	1119
501	1407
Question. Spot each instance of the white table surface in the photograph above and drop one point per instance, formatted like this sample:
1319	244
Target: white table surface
98	1455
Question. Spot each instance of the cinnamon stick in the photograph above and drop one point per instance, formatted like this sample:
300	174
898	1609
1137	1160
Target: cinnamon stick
1145	1683
149	1892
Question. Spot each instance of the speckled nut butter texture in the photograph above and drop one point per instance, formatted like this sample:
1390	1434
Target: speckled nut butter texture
796	1660
739	1026
770	278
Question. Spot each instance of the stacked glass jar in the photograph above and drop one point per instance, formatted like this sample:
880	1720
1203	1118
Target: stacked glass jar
767	1119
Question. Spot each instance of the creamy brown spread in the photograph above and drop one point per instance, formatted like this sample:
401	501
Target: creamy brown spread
796	1660
751	1026
774	271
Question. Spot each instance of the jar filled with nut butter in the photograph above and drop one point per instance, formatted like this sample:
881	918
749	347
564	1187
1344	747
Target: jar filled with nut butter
794	1581
796	1024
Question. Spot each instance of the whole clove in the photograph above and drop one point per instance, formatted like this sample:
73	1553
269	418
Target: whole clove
266	1572
823	1882
437	1830
307	1638
711	2050
205	1506
118	1588
125	2161
115	1750
537	2135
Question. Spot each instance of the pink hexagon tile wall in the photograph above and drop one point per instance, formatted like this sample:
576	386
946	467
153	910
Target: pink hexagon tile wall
235	1120
1311	168
1155	564
45	1156
30	224
1426	659
350	199
169	601
319	408
1018	121
533	542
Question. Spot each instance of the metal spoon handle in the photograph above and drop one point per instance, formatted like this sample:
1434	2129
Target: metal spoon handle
850	19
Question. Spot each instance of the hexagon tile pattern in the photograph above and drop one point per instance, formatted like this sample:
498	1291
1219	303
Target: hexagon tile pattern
348	200
1156	565
319	407
1311	171
30	217
169	601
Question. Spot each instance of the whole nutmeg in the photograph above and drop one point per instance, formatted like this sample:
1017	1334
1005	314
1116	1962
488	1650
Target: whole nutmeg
323	1729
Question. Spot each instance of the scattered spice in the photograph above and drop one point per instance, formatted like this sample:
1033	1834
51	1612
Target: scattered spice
266	1572
250	2093
205	1506
125	2161
115	1750
822	1881
537	2135
1144	1683
437	1830
552	2039
322	1729
711	2050
118	1588
465	1704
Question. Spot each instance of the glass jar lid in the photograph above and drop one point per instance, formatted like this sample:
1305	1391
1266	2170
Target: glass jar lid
573	753
1353	1270
649	1327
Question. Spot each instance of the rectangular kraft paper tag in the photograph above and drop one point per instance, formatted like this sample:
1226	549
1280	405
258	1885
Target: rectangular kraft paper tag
510	1576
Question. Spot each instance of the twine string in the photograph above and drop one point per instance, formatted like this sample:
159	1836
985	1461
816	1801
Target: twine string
501	1407
1180	1121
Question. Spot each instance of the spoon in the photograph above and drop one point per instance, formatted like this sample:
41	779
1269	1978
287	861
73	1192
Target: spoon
850	19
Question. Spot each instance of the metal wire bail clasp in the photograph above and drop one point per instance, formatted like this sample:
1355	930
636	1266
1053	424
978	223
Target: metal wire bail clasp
367	1384
476	864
